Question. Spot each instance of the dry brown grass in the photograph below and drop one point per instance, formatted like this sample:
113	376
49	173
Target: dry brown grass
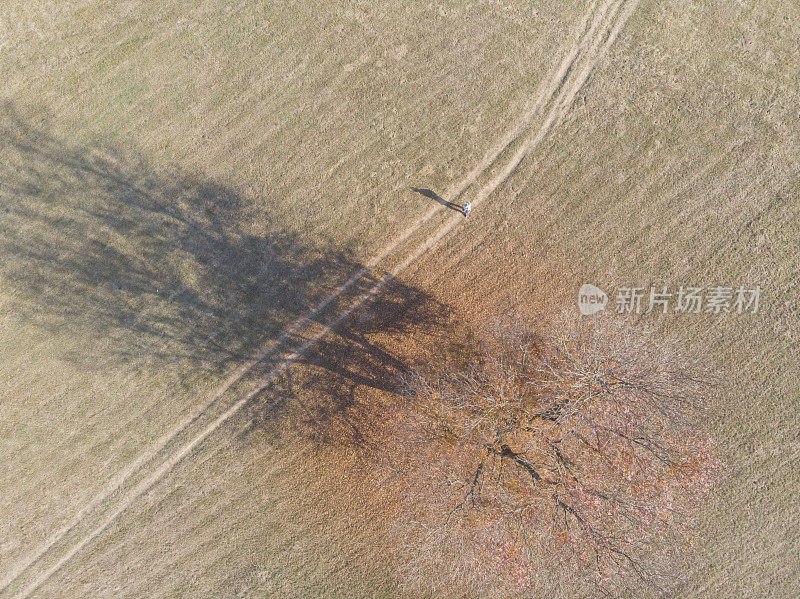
260	135
677	164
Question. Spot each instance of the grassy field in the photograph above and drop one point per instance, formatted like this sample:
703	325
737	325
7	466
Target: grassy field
178	183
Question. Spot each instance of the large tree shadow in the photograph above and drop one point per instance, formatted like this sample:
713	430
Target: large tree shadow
134	263
99	244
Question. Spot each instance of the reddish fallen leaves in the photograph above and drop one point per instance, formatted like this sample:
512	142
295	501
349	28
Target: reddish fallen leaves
569	463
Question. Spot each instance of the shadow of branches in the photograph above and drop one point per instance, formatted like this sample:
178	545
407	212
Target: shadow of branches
97	243
132	263
345	389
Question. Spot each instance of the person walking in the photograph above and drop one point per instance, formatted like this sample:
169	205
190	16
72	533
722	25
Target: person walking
466	208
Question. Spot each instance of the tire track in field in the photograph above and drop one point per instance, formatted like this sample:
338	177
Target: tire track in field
599	29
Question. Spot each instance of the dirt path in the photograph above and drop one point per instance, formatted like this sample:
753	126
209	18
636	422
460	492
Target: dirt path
599	29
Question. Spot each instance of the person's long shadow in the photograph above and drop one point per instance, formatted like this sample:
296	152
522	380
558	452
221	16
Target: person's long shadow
429	193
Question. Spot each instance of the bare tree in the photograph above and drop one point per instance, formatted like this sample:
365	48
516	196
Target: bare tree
569	463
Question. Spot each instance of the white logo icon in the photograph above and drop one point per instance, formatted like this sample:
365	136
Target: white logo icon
591	299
